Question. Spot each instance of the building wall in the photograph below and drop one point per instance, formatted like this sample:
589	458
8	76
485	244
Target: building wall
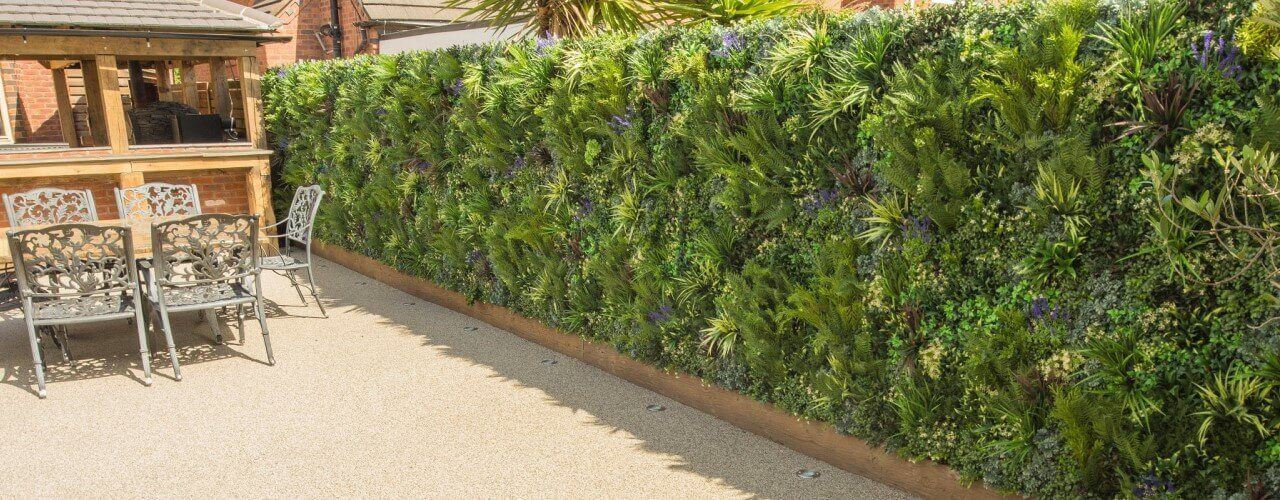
102	186
33	108
302	22
221	191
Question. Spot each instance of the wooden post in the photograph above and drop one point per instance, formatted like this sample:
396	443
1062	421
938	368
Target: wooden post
164	87
219	96
258	179
130	179
66	115
93	96
251	92
190	93
258	184
108	83
137	85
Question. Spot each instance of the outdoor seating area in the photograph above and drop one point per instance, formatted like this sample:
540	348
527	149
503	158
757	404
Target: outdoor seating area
162	257
976	249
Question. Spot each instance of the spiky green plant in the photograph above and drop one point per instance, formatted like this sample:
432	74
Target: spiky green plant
726	12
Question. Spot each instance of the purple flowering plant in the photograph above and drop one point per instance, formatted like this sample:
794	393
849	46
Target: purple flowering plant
516	166
820	199
544	42
620	123
421	165
730	42
918	227
1152	486
1218	54
586	207
662	315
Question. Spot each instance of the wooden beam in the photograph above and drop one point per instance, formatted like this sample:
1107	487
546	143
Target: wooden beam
38	47
58	64
190	93
220	95
66	114
100	161
251	92
93	96
108	77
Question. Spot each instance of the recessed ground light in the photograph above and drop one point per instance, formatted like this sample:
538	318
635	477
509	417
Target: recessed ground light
362	283
550	362
656	408
807	473
470	328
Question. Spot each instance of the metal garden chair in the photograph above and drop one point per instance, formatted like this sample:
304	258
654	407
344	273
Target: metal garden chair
76	273
49	206
157	199
202	263
298	226
39	207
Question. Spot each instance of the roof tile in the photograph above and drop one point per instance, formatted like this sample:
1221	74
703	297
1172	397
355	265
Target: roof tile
161	15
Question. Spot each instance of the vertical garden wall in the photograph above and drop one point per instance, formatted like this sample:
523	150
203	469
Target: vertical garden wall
1031	241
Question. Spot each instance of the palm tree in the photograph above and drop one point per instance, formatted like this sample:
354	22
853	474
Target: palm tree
561	18
726	12
575	18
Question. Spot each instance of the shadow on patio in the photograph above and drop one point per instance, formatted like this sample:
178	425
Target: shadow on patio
391	395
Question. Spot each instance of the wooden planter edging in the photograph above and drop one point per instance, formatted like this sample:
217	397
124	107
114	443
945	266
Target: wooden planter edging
816	439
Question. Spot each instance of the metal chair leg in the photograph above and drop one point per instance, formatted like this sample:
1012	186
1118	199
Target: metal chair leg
266	334
168	338
211	317
65	344
311	282
240	321
36	357
296	286
144	350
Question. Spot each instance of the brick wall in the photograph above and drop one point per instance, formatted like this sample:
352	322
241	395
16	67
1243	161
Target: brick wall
33	108
102	186
303	20
221	191
351	12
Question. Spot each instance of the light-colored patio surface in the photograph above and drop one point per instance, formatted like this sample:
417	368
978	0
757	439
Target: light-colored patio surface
390	396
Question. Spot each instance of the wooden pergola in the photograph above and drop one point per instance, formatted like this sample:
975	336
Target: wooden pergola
101	54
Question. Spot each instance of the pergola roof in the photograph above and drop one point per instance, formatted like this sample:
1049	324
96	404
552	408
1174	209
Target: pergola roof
158	15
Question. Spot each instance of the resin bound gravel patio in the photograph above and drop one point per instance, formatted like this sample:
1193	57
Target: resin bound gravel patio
389	396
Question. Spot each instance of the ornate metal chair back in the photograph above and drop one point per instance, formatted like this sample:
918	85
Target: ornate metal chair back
205	249
49	206
302	212
73	260
157	199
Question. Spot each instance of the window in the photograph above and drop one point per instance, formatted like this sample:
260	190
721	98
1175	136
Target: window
6	132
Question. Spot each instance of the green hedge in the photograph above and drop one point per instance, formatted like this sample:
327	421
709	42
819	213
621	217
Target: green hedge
959	232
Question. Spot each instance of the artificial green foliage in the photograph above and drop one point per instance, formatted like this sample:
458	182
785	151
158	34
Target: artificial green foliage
1034	241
